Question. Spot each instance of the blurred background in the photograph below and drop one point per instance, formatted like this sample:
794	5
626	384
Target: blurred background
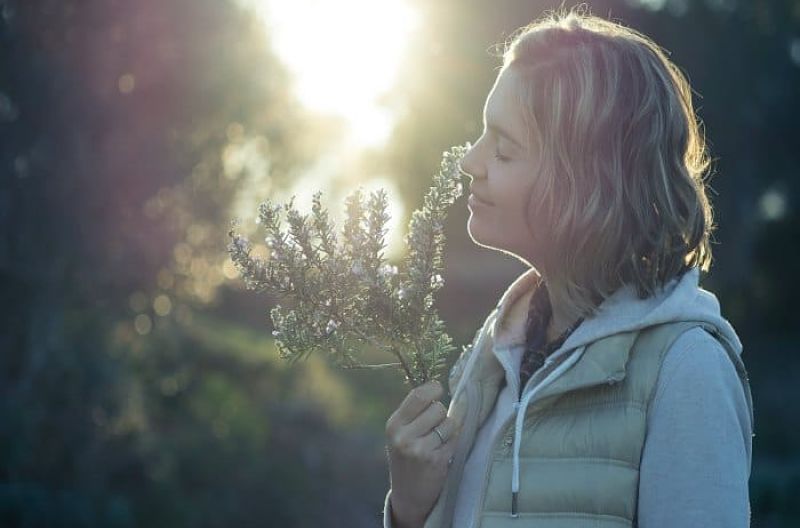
139	385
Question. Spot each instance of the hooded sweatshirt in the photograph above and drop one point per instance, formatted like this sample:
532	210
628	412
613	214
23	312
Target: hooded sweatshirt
696	459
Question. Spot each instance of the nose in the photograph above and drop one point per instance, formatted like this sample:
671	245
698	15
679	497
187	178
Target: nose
468	165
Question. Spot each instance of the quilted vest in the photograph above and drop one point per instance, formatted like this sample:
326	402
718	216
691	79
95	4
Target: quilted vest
583	434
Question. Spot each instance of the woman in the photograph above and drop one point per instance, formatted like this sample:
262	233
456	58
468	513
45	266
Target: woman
605	389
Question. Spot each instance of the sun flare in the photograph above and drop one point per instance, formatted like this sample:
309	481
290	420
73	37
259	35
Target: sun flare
343	56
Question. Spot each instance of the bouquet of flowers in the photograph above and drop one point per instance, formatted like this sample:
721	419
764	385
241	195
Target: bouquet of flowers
343	294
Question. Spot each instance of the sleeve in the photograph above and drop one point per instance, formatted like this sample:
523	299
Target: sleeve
696	459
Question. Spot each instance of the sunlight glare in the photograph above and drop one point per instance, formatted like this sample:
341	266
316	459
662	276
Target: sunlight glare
343	56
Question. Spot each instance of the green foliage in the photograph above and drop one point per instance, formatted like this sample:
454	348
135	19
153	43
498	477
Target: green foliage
345	296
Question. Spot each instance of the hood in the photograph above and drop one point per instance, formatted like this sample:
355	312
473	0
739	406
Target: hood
681	299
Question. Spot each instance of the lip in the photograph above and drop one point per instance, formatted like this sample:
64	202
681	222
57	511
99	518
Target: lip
474	200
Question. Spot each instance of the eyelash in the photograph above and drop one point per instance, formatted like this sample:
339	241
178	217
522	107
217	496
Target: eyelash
500	158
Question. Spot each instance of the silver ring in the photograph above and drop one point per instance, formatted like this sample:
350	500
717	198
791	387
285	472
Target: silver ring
440	434
450	462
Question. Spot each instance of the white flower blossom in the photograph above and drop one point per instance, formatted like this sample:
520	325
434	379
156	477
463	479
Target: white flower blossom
241	243
332	326
388	270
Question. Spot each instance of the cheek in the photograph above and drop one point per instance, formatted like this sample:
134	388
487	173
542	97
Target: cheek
515	210
504	224
516	219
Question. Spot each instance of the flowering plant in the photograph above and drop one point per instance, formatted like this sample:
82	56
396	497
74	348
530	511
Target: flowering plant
345	295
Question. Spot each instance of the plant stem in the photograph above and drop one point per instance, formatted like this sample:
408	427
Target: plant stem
375	367
391	350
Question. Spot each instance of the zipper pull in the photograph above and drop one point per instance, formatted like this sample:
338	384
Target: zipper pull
514	508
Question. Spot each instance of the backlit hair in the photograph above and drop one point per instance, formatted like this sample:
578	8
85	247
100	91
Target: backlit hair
619	195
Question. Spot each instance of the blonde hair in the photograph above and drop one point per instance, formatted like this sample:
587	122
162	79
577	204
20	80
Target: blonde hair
619	194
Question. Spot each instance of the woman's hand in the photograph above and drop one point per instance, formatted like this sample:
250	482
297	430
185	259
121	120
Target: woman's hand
418	459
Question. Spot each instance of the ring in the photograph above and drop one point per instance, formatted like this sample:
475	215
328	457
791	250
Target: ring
450	462
440	434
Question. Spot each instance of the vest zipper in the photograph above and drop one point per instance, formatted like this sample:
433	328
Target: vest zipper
492	443
501	430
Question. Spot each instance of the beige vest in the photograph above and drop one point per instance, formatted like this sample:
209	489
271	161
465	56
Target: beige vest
583	434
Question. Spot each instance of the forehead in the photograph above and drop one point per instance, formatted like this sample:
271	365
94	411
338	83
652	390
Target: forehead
501	113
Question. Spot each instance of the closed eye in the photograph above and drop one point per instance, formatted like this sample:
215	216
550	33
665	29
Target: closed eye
499	157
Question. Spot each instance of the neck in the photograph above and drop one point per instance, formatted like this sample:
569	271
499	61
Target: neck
562	317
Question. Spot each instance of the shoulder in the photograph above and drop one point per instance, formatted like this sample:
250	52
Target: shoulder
697	453
696	357
699	390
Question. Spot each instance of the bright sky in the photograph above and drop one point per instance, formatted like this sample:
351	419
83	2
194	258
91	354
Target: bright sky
343	55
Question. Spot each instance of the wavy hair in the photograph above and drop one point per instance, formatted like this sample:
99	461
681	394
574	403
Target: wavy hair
622	161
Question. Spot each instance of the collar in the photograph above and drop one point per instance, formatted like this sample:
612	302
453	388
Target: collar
512	310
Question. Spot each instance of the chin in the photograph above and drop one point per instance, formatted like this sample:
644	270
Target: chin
485	240
473	231
477	234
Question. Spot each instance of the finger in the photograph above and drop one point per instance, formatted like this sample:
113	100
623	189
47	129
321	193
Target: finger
417	400
449	431
448	449
427	420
